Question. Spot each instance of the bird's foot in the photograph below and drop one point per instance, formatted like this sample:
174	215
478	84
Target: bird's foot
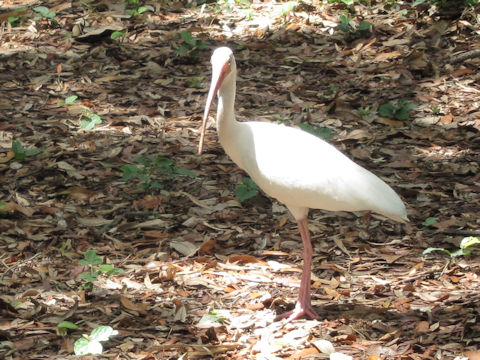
301	310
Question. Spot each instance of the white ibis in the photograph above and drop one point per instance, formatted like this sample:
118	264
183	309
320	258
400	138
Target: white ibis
296	168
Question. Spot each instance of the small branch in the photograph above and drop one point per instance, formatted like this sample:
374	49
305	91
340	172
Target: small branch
465	56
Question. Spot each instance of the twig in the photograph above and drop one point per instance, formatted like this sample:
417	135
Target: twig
464	56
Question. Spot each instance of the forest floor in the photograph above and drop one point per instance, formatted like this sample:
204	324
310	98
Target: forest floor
108	217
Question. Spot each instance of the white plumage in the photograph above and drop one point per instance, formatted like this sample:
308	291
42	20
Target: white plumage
297	168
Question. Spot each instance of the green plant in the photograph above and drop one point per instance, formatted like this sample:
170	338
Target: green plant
91	344
346	2
93	261
148	167
91	121
246	190
64	326
352	31
20	152
13	20
135	8
332	89
70	100
447	3
2	208
43	13
196	82
282	118
429	221
400	111
364	111
215	317
117	34
319	131
462	251
436	110
191	47
287	8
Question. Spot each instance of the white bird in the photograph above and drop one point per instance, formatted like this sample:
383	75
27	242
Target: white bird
296	168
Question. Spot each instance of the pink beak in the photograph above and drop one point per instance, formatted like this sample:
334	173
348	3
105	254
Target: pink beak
218	75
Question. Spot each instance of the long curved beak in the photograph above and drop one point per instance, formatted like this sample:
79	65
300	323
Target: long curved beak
218	75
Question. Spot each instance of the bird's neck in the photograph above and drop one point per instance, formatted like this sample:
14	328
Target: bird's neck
226	122
228	128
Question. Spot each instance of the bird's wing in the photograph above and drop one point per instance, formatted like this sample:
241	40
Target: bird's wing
299	169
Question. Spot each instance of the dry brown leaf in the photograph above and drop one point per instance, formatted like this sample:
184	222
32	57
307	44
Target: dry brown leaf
207	247
387	121
387	56
11	206
141	308
472	355
331	292
79	193
422	327
446	119
244	259
10	155
155	234
149	202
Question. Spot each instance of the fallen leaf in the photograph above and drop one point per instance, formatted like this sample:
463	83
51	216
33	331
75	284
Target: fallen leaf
141	308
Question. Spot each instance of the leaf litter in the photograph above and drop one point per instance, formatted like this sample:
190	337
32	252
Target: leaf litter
190	251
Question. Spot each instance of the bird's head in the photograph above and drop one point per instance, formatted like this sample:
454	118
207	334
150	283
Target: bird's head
223	71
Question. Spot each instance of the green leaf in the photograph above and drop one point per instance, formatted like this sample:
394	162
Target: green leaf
430	221
91	258
185	172
102	333
2	208
117	34
88	125
364	26
163	161
90	277
188	38
429	250
106	268
182	49
71	99
18	150
202	45
67	325
402	114
460	252
215	316
246	190
141	9
95	118
42	10
156	185
129	171
116	271
387	110
35	151
84	346
469	241
13	19
321	132
419	2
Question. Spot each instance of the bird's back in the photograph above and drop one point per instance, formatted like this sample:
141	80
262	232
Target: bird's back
301	170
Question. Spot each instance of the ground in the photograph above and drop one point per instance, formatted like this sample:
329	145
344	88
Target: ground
72	181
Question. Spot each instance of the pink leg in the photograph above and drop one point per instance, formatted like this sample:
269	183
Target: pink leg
303	307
